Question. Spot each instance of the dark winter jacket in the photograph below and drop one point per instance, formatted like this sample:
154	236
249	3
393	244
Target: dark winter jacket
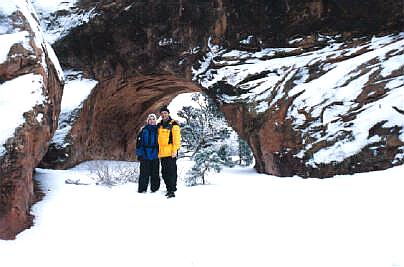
146	144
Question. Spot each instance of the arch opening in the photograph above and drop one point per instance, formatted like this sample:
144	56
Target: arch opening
205	130
106	124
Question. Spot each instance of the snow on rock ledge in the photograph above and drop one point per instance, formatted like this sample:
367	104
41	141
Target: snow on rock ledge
76	91
336	107
30	93
58	17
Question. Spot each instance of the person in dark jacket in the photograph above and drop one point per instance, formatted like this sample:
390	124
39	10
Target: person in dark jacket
147	154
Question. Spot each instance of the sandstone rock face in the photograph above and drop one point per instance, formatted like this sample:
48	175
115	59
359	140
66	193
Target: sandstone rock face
140	62
143	54
31	88
315	112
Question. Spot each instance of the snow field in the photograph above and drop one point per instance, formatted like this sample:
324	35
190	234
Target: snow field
240	219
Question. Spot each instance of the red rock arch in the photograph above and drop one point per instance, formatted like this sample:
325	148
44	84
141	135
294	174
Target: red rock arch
107	125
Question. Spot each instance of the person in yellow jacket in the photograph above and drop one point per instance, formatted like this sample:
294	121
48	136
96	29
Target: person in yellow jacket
169	140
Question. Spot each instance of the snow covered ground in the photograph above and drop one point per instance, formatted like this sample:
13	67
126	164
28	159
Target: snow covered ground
240	219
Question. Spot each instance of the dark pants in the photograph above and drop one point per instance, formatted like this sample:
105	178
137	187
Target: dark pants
169	173
149	169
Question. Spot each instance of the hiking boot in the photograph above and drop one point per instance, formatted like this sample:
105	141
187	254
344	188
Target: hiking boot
170	194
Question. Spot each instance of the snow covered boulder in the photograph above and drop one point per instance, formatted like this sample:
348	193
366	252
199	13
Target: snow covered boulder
31	84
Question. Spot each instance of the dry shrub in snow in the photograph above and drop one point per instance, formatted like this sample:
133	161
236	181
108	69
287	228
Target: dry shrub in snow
113	173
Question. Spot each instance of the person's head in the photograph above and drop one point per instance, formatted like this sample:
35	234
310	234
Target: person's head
164	113
151	119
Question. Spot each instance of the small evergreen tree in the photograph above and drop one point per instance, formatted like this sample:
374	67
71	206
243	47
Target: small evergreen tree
244	153
206	159
203	134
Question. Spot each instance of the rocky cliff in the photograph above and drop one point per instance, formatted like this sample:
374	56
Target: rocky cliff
30	94
140	52
332	109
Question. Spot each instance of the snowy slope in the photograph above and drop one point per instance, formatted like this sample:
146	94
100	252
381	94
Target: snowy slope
240	219
338	92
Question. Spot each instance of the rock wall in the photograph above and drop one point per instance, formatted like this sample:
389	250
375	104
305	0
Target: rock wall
29	60
140	61
329	109
171	43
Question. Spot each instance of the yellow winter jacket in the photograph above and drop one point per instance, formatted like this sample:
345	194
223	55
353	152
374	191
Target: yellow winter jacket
167	149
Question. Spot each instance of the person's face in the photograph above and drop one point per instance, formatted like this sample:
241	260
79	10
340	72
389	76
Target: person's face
164	115
151	121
